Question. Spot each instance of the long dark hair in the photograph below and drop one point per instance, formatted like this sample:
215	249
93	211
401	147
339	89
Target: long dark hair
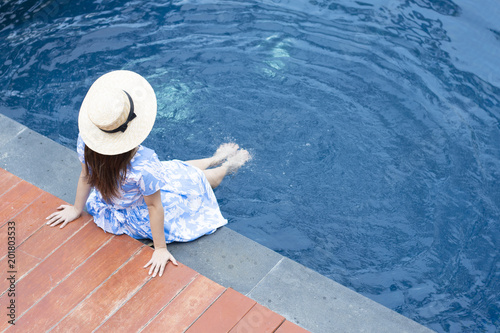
107	172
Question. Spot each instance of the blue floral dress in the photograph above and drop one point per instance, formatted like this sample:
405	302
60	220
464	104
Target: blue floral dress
191	209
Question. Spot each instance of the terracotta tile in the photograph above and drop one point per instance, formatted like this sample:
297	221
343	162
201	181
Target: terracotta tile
3	172
33	251
223	314
156	293
33	217
17	198
29	220
289	327
20	261
7	181
66	295
58	265
45	241
109	297
79	279
186	307
258	319
25	262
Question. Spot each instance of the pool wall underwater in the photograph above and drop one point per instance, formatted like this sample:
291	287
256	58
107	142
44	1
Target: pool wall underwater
299	294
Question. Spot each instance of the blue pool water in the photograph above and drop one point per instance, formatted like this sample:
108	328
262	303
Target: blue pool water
374	126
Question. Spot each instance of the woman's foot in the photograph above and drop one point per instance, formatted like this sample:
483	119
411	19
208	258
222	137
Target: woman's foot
237	160
225	151
231	165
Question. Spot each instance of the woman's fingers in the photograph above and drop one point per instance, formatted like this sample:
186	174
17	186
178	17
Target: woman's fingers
55	220
59	219
52	215
172	259
153	266
153	269
56	215
162	268
64	215
159	262
157	269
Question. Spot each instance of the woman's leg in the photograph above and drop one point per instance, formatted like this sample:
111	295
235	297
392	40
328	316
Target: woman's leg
223	152
202	164
216	175
232	164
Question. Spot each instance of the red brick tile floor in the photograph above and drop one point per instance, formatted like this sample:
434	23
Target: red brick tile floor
80	279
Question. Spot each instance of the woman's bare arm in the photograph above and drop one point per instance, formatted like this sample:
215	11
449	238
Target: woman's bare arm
68	213
161	256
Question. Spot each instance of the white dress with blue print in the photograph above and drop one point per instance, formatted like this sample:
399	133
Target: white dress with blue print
191	209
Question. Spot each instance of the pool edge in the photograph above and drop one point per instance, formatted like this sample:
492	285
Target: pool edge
300	294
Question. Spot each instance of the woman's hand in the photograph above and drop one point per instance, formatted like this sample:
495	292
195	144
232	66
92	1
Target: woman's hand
66	214
159	260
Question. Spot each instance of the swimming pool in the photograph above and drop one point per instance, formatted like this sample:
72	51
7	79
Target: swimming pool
374	126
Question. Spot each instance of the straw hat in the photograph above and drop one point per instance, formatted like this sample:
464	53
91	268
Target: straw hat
117	113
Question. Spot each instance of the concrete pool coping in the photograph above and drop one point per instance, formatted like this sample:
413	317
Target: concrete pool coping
300	294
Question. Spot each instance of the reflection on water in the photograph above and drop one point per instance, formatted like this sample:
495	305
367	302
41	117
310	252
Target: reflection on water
374	125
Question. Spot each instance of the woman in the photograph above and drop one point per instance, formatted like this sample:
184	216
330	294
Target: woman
125	186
